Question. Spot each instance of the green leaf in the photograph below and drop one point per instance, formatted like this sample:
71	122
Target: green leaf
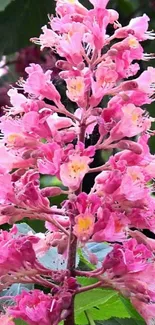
131	310
21	20
118	321
95	297
47	181
90	299
84	263
103	304
112	307
86	281
20	322
4	4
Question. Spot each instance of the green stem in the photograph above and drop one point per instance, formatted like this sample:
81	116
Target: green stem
89	317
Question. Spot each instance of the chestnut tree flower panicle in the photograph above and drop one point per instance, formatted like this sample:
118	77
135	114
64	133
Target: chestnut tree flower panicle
41	136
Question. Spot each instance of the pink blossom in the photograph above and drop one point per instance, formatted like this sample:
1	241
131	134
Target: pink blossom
6	320
51	159
138	27
84	225
108	111
131	123
47	39
76	88
133	184
16	252
106	74
70	46
35	307
16	100
110	226
39	84
73	172
129	258
87	204
100	4
146	81
91	121
70	6
97	25
10	161
147	310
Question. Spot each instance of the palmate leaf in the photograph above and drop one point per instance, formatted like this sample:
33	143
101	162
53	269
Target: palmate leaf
20	322
131	310
102	304
88	301
118	321
21	20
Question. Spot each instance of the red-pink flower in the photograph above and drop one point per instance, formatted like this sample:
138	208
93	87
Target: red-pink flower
6	320
84	226
73	171
127	258
35	307
147	310
39	84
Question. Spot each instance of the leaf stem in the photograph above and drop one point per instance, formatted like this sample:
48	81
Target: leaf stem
90	287
89	317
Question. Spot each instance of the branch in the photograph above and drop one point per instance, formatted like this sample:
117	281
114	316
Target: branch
98	169
90	287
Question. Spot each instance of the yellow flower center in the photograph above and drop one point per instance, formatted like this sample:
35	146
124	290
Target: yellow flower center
76	86
133	43
84	223
135	175
13	137
134	117
77	167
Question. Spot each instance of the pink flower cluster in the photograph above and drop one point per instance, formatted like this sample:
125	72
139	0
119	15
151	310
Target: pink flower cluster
48	139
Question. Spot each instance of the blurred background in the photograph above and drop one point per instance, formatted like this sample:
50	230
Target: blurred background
22	19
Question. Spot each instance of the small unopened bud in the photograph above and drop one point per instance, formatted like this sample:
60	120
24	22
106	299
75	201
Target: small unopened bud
81	66
10	211
62	245
17	174
124	32
114	16
36	154
63	74
63	65
27	154
51	191
93	259
77	18
97	111
130	145
129	85
112	52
